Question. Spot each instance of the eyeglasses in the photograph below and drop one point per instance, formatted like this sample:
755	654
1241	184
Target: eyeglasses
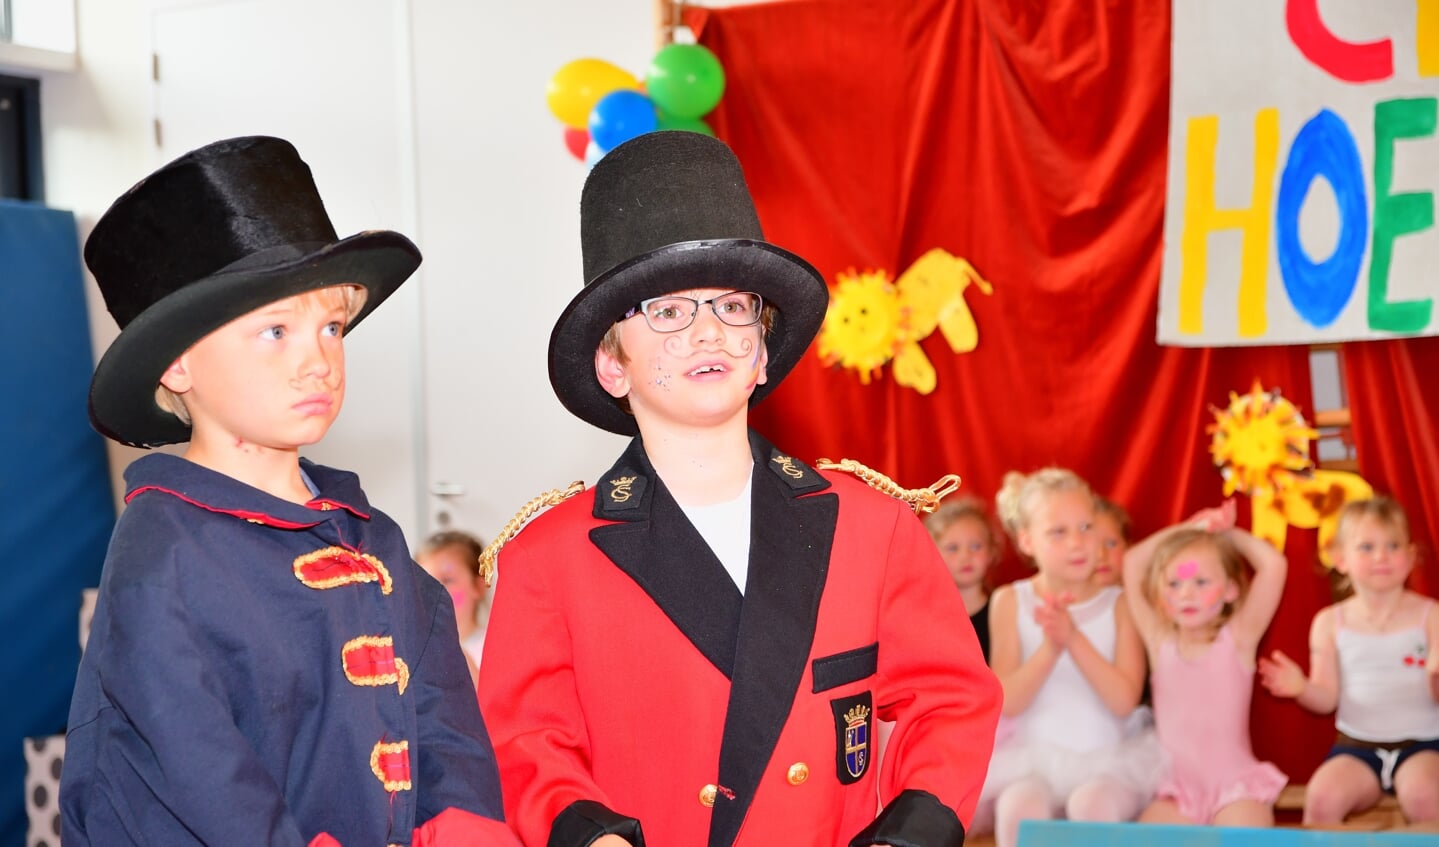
672	314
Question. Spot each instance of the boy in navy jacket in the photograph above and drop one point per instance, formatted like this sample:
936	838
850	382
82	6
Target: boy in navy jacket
266	665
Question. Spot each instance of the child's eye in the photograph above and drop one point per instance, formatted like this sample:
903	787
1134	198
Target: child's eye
335	329
976	547
272	333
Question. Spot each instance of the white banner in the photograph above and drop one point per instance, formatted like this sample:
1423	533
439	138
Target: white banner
1303	167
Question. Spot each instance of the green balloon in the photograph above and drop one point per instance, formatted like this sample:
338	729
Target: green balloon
668	121
685	80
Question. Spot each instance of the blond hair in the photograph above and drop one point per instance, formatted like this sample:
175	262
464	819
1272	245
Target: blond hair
1386	510
1015	501
352	295
1188	538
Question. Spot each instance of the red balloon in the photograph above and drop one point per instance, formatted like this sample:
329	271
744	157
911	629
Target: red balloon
576	140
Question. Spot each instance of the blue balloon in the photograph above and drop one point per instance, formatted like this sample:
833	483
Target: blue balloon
620	116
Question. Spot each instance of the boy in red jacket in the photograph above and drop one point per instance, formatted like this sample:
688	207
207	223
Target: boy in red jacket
695	651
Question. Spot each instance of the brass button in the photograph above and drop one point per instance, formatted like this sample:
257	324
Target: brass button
707	796
798	773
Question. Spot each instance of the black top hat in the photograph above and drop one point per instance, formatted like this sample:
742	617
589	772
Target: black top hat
215	234
665	212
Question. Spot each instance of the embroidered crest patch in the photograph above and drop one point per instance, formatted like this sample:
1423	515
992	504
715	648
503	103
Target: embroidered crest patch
622	492
852	736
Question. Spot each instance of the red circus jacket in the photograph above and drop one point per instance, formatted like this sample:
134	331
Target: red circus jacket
630	687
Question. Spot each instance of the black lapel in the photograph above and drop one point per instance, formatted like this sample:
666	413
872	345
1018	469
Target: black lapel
790	538
665	555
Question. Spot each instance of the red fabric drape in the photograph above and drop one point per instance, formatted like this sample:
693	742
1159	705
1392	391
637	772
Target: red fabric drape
1394	403
1030	139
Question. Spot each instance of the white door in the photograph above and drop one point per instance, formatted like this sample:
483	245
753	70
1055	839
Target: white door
331	76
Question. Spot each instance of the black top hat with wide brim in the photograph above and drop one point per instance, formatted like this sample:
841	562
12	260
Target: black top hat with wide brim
213	235
664	212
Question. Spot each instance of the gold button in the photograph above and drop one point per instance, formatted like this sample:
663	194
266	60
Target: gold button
707	796
798	773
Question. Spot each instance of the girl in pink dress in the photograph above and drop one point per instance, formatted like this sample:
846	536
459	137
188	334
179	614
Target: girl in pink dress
1201	626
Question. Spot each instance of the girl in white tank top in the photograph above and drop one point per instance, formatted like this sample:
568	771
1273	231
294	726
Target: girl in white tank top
1373	659
1072	667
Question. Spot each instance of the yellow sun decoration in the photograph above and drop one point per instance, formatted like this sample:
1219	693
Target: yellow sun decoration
1260	443
864	325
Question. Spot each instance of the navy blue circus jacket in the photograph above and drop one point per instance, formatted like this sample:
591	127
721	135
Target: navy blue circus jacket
260	672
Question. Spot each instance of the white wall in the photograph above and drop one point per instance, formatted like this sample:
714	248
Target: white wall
496	200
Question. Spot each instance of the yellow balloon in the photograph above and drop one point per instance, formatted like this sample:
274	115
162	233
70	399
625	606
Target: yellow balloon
575	88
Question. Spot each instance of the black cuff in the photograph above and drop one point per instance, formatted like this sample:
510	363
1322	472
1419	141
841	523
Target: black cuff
913	819
583	821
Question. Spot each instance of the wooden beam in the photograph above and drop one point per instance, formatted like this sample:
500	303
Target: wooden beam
668	15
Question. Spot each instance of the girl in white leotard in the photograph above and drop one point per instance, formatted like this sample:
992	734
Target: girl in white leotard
1072	667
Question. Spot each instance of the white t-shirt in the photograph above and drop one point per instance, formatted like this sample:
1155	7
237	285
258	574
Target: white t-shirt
725	528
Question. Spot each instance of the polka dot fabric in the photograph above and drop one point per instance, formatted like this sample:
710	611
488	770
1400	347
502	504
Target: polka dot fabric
43	758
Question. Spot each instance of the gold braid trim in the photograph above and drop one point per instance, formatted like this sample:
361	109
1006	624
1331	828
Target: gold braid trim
922	500
553	497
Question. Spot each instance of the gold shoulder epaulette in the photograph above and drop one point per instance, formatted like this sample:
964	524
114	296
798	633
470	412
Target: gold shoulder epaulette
922	500
553	497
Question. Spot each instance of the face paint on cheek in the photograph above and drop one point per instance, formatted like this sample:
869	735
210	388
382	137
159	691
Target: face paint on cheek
1186	570
1213	599
460	596
754	365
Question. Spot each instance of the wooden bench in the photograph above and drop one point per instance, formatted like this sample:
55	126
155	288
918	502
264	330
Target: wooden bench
1384	815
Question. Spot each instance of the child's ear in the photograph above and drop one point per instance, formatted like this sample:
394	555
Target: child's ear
763	364
176	377
1231	592
613	377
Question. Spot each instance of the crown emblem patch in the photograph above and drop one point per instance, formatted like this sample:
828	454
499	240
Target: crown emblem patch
852	735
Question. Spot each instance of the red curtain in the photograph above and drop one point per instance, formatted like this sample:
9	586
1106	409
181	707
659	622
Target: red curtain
1395	409
1031	139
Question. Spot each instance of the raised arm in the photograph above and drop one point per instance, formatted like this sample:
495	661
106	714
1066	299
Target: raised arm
1136	569
1252	617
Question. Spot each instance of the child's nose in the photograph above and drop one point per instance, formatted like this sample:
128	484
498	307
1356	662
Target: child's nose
707	324
316	360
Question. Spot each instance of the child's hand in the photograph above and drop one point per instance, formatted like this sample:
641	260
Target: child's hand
1052	615
1216	519
1281	675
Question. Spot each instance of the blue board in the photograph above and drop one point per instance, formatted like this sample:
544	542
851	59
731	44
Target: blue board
56	505
1072	834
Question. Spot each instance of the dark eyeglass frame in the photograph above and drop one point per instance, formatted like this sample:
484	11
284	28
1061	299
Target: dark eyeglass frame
642	308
